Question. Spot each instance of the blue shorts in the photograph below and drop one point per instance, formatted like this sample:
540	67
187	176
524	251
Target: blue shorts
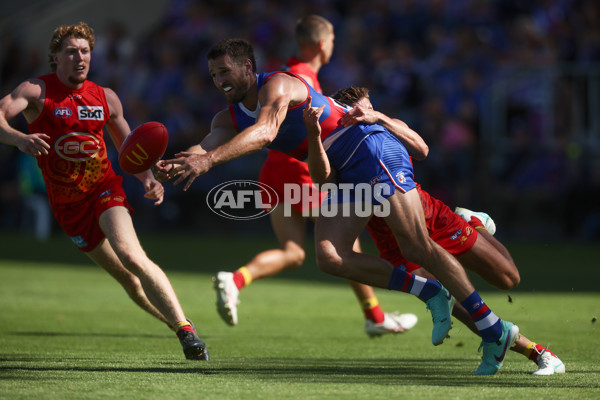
380	159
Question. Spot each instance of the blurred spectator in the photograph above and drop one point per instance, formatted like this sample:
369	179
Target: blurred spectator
442	66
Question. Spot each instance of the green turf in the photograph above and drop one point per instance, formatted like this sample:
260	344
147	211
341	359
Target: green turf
68	331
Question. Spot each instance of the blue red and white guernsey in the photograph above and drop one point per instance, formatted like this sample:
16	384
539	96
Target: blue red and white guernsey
360	153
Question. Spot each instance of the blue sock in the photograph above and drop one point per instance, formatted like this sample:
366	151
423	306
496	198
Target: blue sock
487	322
406	282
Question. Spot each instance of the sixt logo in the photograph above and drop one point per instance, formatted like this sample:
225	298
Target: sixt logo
90	113
62	112
241	200
77	146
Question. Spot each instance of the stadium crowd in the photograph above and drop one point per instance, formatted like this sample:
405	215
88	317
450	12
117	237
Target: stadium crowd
436	64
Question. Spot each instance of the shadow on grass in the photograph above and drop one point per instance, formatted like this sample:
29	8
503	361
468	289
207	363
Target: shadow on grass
405	372
91	334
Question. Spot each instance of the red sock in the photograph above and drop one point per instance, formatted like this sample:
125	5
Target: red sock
239	280
538	349
372	310
476	223
183	326
375	314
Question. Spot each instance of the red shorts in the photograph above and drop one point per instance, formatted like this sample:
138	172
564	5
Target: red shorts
446	228
79	219
280	169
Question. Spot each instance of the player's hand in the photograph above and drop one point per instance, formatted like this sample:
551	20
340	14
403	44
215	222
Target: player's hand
34	144
311	117
359	115
154	190
189	166
161	170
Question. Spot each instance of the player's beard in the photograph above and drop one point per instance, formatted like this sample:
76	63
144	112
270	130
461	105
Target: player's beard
77	79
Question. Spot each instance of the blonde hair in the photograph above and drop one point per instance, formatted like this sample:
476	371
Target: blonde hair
81	30
311	29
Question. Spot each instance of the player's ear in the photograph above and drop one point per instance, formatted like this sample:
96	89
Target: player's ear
248	65
321	44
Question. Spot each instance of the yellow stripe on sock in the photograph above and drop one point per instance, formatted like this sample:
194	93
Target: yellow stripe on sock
529	348
246	274
369	303
180	325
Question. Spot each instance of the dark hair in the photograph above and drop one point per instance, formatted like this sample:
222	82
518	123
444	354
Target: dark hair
80	31
239	50
351	95
311	29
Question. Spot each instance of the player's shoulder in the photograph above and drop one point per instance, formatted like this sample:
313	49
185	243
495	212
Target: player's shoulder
31	89
222	119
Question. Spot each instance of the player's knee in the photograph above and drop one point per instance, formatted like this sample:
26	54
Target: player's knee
295	256
510	279
134	263
328	260
417	252
133	287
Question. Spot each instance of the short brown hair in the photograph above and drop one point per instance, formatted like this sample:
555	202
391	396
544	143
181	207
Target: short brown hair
81	30
239	50
311	29
351	95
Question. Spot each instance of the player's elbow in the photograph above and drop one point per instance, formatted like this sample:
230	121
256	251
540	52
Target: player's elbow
421	152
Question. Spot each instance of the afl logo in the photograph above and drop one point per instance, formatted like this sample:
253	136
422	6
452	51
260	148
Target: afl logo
62	112
77	146
242	200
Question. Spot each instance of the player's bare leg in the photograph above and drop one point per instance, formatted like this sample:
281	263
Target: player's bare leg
485	260
407	222
335	237
105	257
118	227
290	232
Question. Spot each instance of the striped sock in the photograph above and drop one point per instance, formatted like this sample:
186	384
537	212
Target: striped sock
406	282
488	324
242	277
372	310
183	325
533	350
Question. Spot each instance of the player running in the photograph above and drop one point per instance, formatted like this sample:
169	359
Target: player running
66	114
315	41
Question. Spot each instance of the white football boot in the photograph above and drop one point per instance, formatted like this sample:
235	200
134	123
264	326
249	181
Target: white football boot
392	323
549	364
485	219
227	297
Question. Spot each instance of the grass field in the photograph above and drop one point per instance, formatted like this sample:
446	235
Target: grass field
68	331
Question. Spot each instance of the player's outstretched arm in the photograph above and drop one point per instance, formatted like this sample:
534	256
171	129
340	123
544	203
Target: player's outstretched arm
26	99
414	143
118	128
274	98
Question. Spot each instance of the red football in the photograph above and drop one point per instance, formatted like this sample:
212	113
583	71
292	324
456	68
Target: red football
143	147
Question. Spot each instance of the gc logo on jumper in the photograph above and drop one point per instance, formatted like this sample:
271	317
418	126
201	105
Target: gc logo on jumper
242	200
77	146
